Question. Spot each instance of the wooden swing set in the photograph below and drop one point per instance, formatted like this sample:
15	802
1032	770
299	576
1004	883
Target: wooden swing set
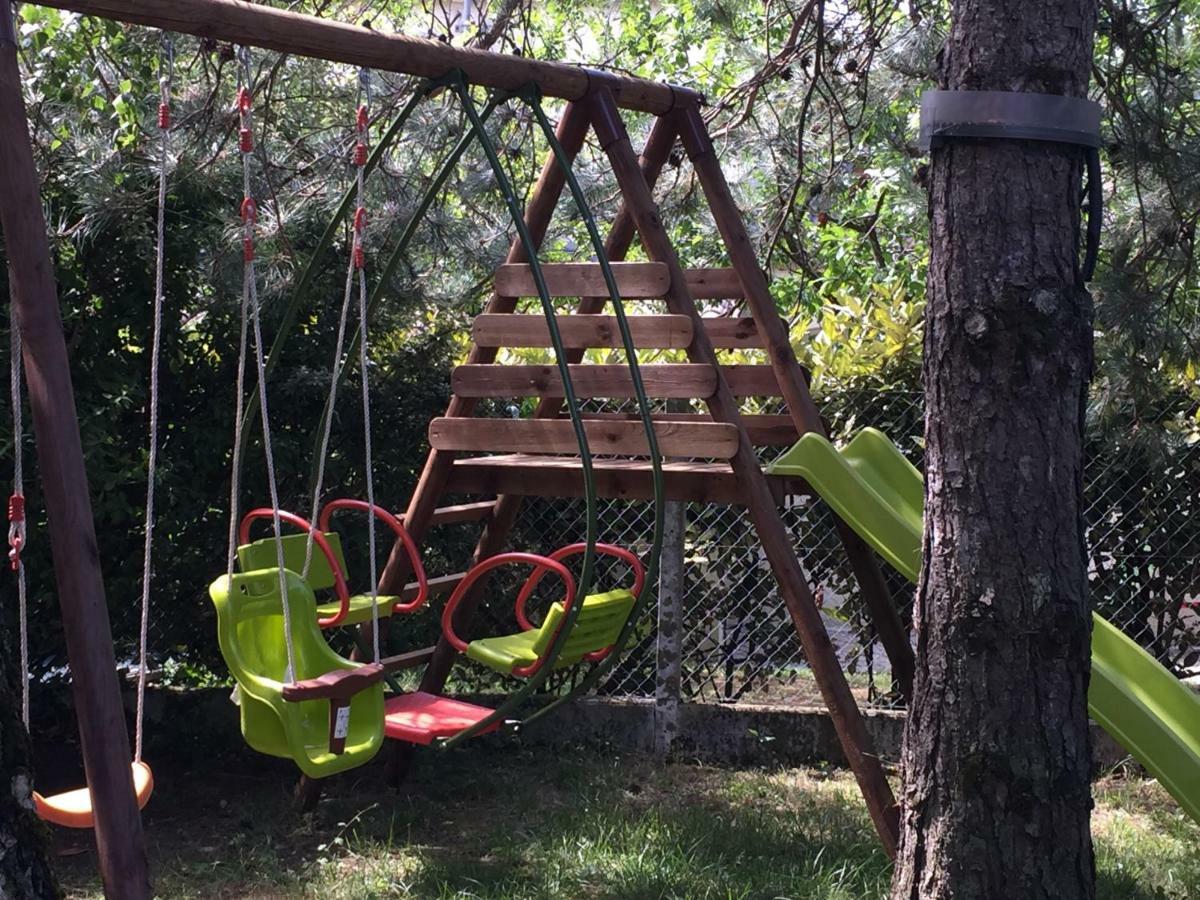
504	460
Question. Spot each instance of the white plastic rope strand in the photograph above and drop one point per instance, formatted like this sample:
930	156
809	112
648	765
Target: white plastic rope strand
164	125
16	526
335	377
358	259
250	299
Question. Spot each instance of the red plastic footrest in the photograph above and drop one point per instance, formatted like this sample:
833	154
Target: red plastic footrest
421	718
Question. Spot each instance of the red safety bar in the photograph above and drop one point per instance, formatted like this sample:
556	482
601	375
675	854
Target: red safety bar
339	581
639	574
542	563
639	581
410	546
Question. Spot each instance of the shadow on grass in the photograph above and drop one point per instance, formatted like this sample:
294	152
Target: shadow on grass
496	820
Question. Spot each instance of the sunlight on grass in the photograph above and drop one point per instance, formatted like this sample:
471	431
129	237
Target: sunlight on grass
588	827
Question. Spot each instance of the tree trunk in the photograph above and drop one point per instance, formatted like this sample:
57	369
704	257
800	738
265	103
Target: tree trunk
24	869
996	756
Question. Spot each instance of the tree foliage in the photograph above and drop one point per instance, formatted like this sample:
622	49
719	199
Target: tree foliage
812	104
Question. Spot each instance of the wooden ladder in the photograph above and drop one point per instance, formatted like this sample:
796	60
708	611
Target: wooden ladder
538	456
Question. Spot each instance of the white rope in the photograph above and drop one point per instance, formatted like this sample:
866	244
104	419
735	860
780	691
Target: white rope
156	344
16	529
338	365
357	257
250	299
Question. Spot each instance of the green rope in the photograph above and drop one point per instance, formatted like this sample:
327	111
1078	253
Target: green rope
572	404
533	99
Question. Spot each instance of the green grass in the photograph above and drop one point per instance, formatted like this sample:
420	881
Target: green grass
497	822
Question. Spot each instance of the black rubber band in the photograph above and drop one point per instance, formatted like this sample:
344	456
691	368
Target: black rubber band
1008	115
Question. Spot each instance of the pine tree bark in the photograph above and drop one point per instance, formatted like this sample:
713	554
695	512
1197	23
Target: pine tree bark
24	867
996	800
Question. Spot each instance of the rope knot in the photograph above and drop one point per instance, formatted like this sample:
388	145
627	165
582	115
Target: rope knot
16	530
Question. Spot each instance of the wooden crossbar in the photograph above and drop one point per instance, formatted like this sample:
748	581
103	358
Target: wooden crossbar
715	440
438	587
636	281
672	380
257	25
665	380
581	332
462	512
561	476
764	430
664	332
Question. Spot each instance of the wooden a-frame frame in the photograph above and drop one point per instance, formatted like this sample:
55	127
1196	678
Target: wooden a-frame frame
595	100
639	217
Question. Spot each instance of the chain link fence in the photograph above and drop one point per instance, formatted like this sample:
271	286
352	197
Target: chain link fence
1142	494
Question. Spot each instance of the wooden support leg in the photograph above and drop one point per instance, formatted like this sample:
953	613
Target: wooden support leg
760	502
119	841
871	582
307	793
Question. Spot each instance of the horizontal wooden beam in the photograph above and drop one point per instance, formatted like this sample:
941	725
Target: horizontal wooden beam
438	587
463	512
765	430
541	476
636	281
751	381
256	25
668	380
733	333
410	660
580	332
709	440
714	284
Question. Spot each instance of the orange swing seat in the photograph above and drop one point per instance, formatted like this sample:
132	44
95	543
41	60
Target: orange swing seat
73	809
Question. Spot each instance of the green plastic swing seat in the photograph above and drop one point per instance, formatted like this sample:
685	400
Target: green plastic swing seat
261	555
250	634
597	626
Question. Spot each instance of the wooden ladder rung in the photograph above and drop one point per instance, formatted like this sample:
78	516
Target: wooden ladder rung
636	280
667	380
580	332
715	440
733	333
463	512
562	476
714	284
438	587
764	430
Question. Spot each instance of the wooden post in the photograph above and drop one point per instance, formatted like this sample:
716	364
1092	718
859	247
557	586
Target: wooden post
874	587
776	542
259	25
104	740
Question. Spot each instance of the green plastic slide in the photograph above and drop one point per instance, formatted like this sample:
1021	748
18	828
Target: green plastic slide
880	494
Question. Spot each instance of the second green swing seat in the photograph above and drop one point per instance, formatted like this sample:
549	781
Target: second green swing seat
249	625
260	554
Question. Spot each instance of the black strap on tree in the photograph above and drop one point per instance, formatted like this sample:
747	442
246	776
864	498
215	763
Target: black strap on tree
1011	115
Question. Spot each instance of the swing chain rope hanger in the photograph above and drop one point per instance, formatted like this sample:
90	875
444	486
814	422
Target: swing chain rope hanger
250	306
16	511
358	262
1027	116
166	77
